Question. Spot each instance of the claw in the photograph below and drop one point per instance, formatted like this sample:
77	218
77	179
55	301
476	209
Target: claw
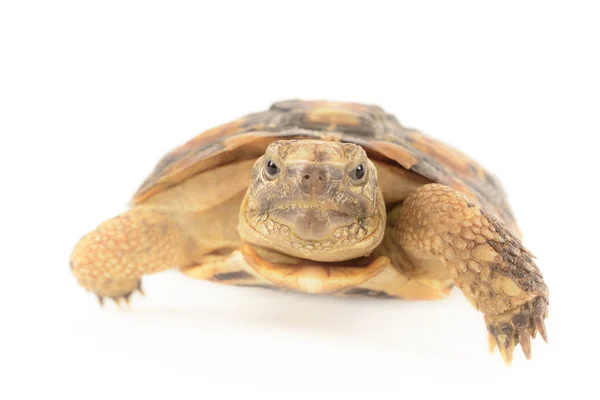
525	341
127	298
139	289
100	300
491	343
538	320
117	301
506	346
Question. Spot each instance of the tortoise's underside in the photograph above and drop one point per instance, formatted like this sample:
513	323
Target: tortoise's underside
371	277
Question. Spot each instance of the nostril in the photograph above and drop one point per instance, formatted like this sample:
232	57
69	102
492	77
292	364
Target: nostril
320	178
306	177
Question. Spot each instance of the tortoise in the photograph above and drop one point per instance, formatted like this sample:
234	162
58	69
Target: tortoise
325	197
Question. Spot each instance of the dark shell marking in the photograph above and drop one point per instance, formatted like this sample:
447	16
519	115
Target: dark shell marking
379	133
379	294
236	275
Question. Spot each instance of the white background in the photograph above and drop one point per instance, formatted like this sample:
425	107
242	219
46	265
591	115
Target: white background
92	94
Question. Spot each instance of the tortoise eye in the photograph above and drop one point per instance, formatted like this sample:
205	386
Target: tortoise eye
358	173
272	169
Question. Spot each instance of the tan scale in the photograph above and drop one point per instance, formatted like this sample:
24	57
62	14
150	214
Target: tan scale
325	197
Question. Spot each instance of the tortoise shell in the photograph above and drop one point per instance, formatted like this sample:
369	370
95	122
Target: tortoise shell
369	126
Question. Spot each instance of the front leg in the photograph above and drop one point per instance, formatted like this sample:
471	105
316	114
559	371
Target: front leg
111	260
490	265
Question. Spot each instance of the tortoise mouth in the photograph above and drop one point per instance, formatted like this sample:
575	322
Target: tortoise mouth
327	236
317	224
313	233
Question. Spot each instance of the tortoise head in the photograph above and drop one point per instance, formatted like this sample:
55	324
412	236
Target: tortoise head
315	200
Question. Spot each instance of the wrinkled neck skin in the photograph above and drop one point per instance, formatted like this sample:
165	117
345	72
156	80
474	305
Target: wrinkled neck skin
313	208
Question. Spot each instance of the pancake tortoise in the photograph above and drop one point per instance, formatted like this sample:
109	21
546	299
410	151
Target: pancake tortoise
329	198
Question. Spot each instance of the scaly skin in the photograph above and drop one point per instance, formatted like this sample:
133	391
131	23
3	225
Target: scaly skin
490	265
312	208
111	260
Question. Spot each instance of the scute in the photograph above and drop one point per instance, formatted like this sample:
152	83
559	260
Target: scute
370	126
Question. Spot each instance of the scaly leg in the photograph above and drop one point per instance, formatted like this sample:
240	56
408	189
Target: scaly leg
111	260
490	265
